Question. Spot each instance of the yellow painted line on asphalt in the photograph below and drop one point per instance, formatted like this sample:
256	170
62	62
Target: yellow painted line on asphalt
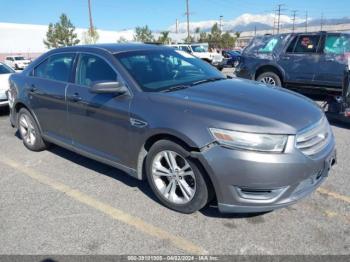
335	195
114	213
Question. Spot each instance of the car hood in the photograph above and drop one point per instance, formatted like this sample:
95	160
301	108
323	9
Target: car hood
248	106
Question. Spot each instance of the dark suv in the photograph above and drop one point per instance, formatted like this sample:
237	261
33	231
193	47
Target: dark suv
299	60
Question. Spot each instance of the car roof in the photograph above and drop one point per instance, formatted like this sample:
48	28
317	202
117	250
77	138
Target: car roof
114	48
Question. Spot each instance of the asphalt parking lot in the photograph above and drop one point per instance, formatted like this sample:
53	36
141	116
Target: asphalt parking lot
57	202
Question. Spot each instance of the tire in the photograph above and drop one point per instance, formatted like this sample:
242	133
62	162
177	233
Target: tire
196	182
16	67
269	78
29	131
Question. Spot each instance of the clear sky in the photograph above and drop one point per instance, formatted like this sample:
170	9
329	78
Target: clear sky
158	14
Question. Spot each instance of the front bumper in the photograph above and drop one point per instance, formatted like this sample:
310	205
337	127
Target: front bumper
247	181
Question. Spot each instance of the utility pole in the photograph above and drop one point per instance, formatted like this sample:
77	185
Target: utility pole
188	19
293	19
274	22
279	10
90	18
221	23
177	26
322	17
306	20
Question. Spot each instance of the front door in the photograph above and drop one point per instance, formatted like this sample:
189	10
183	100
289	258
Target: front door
99	123
46	91
300	59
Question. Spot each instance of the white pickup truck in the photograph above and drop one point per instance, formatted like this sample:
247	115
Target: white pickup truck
17	62
201	50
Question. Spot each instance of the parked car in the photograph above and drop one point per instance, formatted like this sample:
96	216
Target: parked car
17	62
313	61
232	57
5	73
201	50
162	115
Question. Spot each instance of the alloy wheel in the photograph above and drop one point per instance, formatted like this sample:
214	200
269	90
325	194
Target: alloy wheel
268	80
27	129
173	177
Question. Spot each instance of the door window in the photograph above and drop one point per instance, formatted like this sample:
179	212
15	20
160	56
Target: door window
56	67
291	46
307	44
337	44
94	69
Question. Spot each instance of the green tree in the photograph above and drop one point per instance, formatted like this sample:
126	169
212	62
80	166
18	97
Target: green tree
238	34
227	41
91	36
203	37
164	37
143	34
189	40
61	34
215	36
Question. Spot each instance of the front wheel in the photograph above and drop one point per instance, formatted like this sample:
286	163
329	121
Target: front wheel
269	78
175	178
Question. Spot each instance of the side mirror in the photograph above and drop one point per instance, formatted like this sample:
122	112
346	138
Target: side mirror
108	88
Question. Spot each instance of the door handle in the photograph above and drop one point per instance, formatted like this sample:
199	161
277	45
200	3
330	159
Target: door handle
285	57
76	98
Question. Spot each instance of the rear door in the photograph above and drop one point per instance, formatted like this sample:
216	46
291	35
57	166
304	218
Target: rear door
333	60
300	59
46	92
99	123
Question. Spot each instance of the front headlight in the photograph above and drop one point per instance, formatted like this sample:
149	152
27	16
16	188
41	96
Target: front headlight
250	141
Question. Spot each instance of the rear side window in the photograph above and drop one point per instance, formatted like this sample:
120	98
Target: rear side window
94	69
307	44
56	67
337	44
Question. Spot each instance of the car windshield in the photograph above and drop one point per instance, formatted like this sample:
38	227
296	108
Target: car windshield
4	69
19	58
159	70
200	48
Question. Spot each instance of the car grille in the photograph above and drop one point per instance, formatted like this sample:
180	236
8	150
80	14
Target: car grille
315	138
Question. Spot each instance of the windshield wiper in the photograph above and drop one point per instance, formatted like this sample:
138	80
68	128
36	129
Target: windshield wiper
175	88
212	79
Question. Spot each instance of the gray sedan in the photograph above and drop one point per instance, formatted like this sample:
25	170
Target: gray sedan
165	116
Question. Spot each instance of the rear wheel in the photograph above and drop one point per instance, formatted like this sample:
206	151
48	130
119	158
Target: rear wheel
29	131
269	78
175	178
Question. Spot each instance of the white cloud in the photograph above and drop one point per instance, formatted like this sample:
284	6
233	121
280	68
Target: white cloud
243	19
